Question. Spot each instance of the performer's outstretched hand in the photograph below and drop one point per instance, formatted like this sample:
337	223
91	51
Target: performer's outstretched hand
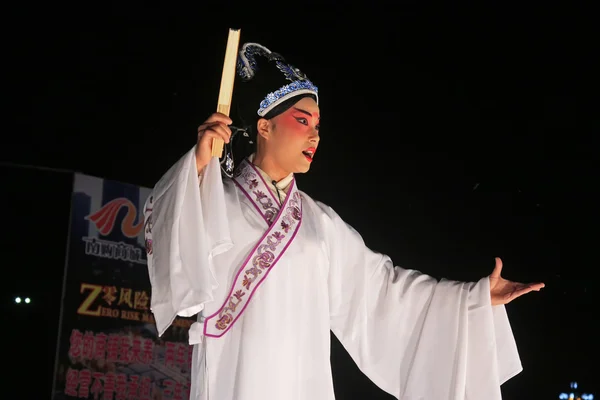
216	126
503	291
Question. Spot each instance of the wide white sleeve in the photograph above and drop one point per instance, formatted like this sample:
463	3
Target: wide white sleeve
186	226
414	336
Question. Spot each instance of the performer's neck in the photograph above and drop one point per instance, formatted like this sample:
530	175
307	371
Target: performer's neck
269	167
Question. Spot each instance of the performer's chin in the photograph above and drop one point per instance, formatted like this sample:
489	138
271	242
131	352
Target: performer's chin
304	168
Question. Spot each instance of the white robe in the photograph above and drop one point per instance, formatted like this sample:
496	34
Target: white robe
414	337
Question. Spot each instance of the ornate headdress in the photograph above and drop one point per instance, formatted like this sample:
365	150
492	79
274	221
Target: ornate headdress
267	81
278	80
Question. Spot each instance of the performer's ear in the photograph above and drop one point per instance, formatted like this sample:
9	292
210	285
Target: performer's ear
263	127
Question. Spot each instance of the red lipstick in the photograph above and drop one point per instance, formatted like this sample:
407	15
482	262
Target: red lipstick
309	153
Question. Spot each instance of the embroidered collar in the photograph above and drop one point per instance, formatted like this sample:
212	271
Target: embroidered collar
283	184
282	224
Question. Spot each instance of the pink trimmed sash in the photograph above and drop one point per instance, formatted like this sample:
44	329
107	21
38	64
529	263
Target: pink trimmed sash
283	224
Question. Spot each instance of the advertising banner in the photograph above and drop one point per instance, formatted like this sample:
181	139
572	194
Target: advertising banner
108	347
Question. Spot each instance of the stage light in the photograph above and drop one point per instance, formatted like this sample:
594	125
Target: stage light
575	395
27	300
17	300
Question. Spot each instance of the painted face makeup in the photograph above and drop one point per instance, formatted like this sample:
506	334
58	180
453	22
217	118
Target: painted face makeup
296	137
302	122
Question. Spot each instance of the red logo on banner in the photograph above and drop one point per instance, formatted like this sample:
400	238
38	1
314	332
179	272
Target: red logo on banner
105	218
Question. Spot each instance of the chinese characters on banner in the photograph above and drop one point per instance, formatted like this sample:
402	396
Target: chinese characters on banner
108	346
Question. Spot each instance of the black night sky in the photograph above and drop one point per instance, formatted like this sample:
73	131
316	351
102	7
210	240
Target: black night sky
451	134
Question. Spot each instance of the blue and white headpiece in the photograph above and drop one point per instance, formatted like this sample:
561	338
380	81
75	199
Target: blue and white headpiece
275	84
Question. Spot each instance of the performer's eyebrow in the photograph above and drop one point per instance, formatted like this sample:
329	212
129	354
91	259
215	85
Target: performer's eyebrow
303	111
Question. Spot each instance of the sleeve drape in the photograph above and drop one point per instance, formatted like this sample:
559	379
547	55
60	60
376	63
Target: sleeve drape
186	227
414	336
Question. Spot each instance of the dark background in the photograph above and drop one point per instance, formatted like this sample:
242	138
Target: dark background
450	135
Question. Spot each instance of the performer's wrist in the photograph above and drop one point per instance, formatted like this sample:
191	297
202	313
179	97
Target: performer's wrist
201	174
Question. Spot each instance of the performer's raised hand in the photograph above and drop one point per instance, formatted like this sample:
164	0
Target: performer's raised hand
216	126
503	291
